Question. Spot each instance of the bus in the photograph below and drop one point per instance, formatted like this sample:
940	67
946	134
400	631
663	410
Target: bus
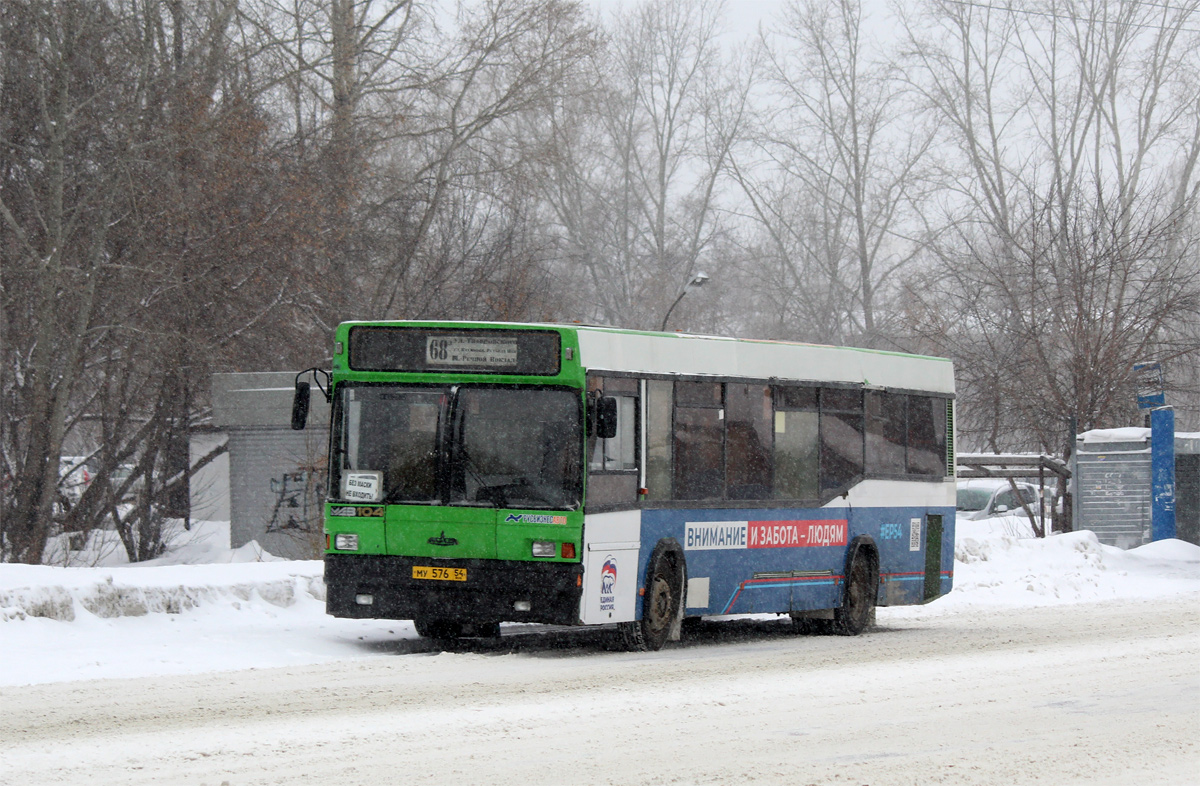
483	472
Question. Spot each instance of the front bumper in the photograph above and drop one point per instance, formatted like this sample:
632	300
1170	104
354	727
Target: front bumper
551	589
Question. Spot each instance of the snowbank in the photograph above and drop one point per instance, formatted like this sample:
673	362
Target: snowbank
1002	570
997	563
198	568
200	542
64	593
242	609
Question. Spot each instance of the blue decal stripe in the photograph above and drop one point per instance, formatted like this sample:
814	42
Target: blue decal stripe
780	582
949	574
814	581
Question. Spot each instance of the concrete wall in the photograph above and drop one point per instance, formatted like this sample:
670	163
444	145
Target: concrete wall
209	487
276	475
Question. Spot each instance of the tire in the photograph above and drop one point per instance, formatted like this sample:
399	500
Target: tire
438	629
807	626
660	604
857	611
482	630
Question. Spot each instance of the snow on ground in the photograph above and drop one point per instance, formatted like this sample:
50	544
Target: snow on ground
205	608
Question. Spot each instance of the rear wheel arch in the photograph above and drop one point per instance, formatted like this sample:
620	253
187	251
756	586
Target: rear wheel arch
861	589
866	545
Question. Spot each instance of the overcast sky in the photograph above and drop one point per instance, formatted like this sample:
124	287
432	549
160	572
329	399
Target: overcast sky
743	15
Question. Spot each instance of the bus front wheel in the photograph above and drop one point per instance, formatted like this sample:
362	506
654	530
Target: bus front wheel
448	630
662	597
438	629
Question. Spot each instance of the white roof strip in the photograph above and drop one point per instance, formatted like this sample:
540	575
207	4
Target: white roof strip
611	350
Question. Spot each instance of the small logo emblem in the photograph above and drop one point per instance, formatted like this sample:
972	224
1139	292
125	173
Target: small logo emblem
442	540
608	584
608	576
534	518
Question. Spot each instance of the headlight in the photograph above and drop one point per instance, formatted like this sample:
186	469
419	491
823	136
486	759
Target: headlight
346	541
543	548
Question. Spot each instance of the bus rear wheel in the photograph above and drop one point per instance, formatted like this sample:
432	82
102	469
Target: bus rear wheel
857	611
660	606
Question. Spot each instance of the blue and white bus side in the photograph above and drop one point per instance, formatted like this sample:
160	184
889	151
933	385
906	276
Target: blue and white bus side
775	560
750	557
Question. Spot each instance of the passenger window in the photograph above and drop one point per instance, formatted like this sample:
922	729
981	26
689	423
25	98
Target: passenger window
886	415
659	397
748	441
926	436
699	441
841	437
797	443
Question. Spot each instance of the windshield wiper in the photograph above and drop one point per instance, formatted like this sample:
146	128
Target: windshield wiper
469	465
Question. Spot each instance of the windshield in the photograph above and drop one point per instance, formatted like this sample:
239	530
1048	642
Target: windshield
504	447
389	443
973	499
516	448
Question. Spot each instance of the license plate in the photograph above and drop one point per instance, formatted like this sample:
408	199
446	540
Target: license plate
439	574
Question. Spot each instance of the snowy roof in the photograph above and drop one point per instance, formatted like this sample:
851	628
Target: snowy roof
1187	443
1130	434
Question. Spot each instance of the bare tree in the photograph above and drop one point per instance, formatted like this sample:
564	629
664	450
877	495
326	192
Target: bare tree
634	176
342	77
832	176
461	148
146	232
1049	323
57	206
1071	199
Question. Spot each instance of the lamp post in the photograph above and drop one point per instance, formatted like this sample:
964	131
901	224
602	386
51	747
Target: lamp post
696	281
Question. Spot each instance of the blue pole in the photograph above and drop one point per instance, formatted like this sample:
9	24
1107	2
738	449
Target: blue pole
1162	473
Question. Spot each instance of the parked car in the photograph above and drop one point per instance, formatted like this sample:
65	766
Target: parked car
74	477
981	498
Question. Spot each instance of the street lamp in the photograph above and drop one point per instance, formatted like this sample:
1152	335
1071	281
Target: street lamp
697	281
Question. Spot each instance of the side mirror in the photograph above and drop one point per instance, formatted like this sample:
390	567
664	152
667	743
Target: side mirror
606	417
1001	509
300	405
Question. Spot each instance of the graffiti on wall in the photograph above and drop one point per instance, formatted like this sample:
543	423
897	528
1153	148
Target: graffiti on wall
297	501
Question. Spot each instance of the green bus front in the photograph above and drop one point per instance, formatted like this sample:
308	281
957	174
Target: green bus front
456	475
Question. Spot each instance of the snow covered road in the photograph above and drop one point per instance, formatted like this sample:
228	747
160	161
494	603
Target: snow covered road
1098	693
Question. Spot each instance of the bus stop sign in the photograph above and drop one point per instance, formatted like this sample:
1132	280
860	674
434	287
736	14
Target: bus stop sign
1149	385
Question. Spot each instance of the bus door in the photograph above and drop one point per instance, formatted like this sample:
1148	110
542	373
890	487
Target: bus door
933	556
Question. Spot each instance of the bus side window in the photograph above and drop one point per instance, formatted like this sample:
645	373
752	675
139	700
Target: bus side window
841	437
613	463
748	441
659	471
927	436
797	444
699	441
620	452
886	430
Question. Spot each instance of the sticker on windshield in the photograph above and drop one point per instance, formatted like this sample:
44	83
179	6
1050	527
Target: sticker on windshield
362	486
